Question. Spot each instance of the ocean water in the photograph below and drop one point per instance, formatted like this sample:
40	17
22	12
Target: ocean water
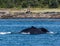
16	25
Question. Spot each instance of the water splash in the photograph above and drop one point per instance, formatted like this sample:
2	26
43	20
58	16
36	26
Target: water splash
3	33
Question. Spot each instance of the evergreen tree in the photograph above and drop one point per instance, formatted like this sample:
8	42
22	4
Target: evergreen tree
31	3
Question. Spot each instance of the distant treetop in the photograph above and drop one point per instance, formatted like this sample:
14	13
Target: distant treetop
31	3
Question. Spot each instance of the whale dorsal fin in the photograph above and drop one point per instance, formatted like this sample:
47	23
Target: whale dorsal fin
33	27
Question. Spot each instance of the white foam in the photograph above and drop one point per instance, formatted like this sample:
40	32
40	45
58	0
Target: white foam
5	33
25	33
51	32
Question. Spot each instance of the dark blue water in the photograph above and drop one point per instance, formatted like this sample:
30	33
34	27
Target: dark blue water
16	25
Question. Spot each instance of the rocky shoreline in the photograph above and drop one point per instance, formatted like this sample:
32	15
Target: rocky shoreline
17	15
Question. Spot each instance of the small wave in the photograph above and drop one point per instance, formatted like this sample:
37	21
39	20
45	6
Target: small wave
52	32
2	33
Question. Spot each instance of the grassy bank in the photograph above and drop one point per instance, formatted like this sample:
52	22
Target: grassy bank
31	9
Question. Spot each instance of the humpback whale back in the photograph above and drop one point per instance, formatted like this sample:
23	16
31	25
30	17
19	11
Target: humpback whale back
43	30
34	30
31	30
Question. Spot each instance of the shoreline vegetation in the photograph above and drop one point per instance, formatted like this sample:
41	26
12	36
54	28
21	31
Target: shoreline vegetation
29	9
32	3
41	13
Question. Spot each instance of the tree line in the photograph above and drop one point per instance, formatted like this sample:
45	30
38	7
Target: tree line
31	3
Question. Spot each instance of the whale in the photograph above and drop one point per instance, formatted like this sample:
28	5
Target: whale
31	30
34	30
